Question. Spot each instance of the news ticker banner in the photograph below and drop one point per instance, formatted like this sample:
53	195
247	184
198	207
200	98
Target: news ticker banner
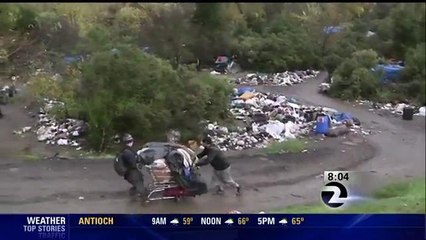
212	226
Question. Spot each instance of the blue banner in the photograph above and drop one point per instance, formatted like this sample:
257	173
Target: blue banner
213	226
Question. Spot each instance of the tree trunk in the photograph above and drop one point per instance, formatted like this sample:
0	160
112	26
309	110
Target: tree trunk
240	8
102	147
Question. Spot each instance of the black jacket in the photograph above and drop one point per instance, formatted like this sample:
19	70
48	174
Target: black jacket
130	158
215	157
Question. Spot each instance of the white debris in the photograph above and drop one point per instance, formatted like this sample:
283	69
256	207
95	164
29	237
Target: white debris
275	128
324	87
267	117
62	142
422	111
400	107
277	79
64	133
393	108
290	130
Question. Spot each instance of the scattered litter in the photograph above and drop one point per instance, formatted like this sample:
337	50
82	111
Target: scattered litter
295	195
324	87
366	133
266	117
234	212
349	143
422	111
26	129
393	108
277	79
67	132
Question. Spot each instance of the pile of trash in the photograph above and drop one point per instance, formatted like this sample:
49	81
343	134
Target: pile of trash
277	79
268	117
394	108
68	132
324	87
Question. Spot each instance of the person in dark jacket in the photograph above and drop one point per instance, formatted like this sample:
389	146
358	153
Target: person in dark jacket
222	168
126	166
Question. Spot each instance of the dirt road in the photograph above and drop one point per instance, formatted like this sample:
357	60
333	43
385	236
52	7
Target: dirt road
56	185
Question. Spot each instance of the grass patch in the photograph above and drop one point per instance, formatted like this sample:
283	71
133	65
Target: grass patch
99	156
406	197
289	146
30	157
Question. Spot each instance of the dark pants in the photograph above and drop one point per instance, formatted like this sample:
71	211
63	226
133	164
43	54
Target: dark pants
135	178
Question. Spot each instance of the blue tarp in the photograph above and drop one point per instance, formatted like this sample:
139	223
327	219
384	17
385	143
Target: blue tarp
391	72
342	116
72	59
243	90
332	29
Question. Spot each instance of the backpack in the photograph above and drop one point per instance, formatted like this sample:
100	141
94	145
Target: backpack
119	165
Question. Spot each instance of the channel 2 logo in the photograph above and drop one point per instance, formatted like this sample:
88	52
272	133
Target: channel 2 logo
334	195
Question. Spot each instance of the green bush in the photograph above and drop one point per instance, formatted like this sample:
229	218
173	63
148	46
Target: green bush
3	56
26	18
289	146
57	32
141	94
414	74
354	79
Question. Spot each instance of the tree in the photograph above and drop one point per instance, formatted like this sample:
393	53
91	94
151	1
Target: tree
354	79
414	76
26	19
213	31
169	41
56	32
210	16
141	94
128	21
408	26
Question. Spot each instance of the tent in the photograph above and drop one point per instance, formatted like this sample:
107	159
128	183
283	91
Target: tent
332	29
391	72
342	116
